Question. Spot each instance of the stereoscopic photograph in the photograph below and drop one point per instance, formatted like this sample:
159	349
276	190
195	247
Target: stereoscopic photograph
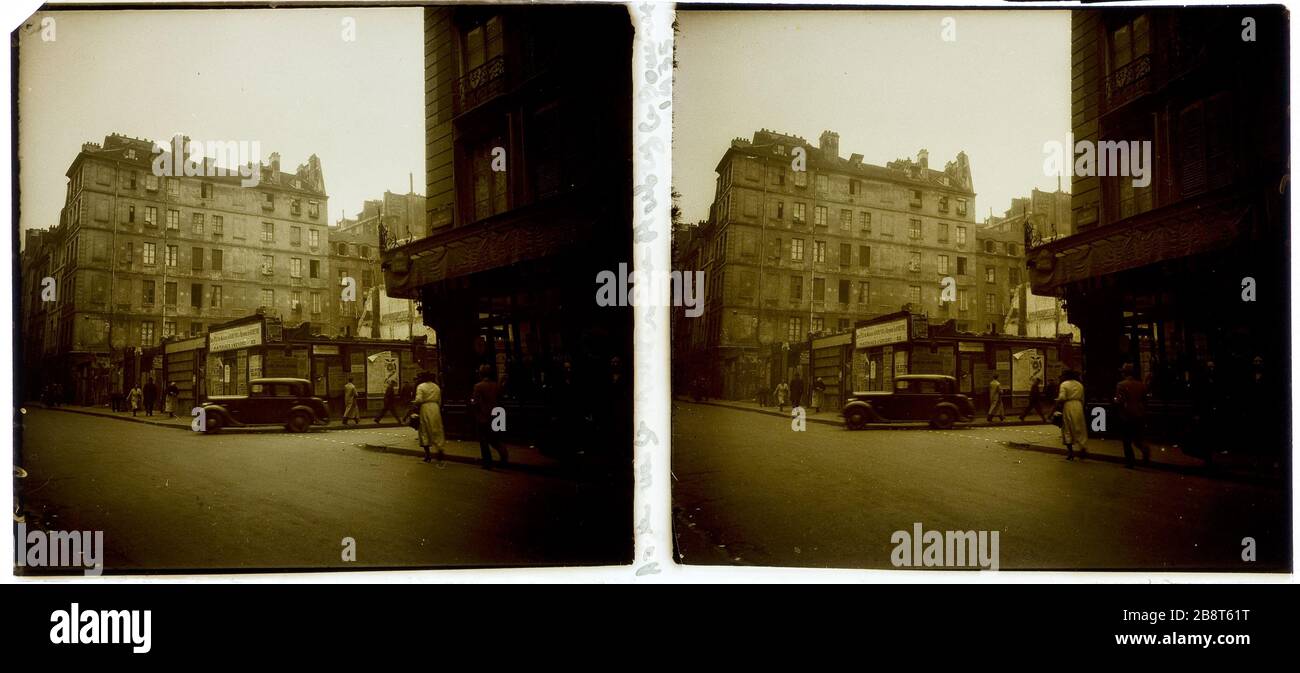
985	290
309	289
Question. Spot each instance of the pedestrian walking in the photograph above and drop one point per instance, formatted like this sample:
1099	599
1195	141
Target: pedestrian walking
173	395
1074	427
1130	399
782	393
407	395
117	396
1035	400
428	399
350	410
796	391
995	401
818	394
390	402
150	396
135	399
483	400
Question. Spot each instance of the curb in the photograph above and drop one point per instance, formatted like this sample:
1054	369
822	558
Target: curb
1190	470
452	458
910	425
237	430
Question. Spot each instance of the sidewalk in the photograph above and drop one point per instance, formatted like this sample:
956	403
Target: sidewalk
832	416
1168	457
182	422
522	458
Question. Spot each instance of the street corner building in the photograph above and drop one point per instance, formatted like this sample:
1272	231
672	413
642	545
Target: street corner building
794	255
141	261
528	153
1185	278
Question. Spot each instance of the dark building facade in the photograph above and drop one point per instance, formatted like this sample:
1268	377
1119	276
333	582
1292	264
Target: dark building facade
528	162
1184	278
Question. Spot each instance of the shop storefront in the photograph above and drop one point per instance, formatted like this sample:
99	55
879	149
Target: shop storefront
830	360
904	343
184	365
258	347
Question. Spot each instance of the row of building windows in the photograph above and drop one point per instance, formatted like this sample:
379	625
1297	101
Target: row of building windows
199	225
778	176
913	264
817	323
172	186
149	297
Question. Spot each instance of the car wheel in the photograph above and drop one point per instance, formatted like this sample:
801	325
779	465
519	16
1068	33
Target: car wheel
212	424
856	419
942	419
299	423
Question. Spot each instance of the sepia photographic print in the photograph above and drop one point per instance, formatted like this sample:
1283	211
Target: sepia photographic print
313	288
985	290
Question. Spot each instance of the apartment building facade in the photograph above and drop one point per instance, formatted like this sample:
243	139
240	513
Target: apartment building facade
1158	275
528	164
146	257
355	245
790	253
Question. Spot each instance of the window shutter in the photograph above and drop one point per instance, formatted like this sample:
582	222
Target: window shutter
1192	123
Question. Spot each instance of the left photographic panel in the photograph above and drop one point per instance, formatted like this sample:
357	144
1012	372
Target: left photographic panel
315	289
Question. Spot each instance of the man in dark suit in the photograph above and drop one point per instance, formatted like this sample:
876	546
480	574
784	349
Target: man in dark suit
150	396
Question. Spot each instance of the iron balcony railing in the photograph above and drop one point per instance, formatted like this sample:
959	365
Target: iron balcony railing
1128	81
479	85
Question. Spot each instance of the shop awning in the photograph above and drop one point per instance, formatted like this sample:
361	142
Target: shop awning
1173	232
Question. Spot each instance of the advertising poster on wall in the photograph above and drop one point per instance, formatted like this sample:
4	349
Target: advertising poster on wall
381	368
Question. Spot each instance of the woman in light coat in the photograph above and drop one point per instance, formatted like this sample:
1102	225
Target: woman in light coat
782	395
135	399
428	400
1074	425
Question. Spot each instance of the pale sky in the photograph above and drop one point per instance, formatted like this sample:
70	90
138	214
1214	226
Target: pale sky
285	78
885	81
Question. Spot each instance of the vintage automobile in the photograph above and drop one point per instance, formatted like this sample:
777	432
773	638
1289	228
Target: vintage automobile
287	402
915	397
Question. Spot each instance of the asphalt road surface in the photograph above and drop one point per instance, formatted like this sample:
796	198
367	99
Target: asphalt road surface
749	490
170	499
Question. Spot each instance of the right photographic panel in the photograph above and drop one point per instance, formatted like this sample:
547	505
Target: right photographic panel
983	290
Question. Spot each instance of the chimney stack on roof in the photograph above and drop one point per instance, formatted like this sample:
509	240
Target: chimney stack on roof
829	143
